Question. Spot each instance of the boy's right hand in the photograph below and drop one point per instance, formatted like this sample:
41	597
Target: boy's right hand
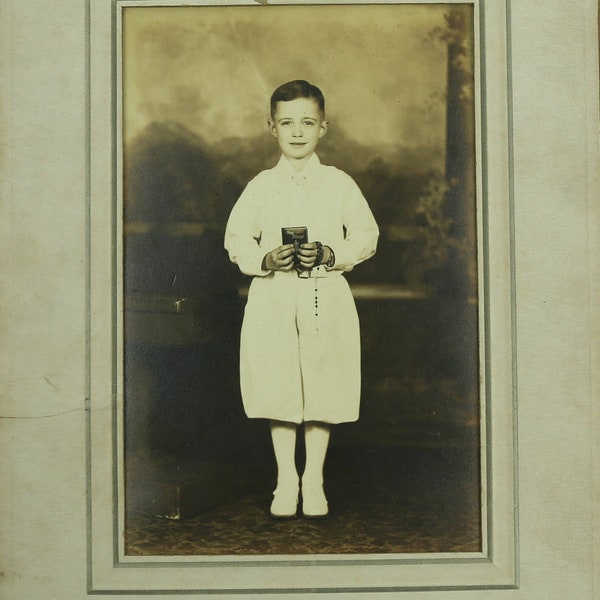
280	259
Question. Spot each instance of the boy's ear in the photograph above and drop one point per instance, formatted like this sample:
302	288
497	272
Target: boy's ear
272	128
323	128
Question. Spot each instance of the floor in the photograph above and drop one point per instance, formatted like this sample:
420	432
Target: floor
383	500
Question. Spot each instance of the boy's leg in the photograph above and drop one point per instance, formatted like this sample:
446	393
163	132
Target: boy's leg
316	438
285	499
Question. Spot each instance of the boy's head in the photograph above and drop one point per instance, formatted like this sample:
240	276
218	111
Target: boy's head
297	89
298	120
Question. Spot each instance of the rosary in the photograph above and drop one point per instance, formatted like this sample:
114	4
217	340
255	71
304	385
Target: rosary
318	261
317	266
314	272
316	278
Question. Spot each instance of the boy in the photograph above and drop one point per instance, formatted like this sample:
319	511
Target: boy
300	345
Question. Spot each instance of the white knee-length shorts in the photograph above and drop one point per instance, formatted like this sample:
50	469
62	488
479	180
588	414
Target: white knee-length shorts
300	356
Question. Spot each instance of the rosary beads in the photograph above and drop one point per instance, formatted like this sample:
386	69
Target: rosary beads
316	278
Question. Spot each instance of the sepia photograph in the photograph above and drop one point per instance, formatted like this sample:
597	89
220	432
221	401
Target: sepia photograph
301	281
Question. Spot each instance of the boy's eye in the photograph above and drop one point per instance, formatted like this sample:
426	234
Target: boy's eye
310	123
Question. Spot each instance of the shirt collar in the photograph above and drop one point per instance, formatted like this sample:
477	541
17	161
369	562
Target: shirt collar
284	167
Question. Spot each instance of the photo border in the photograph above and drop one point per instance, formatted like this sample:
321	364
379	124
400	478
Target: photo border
109	571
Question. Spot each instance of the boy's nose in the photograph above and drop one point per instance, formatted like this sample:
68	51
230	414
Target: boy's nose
297	131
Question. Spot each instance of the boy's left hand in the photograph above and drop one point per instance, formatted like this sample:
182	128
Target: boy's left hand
307	254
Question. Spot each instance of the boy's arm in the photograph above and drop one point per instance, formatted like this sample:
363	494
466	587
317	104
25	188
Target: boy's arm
243	235
362	232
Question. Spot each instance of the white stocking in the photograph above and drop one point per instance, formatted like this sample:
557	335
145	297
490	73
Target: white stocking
284	445
316	439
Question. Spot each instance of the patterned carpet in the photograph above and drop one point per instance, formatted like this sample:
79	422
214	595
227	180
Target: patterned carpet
381	501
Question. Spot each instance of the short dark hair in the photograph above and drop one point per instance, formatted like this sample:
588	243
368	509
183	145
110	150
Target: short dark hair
297	89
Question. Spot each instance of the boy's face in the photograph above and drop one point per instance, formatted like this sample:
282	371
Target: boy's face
298	126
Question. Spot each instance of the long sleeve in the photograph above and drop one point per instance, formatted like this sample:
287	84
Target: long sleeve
243	234
361	230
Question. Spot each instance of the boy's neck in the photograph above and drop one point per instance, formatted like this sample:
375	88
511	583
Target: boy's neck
299	164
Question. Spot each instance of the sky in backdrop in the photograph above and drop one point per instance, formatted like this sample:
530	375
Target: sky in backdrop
213	69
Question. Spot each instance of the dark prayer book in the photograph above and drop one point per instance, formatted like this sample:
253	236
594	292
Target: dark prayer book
296	236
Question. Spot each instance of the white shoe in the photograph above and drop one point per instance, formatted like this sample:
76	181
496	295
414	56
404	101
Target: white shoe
285	502
314	502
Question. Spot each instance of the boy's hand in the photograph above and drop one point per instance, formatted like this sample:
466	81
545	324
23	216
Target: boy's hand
280	259
307	255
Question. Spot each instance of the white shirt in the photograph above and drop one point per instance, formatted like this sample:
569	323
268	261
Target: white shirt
320	197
